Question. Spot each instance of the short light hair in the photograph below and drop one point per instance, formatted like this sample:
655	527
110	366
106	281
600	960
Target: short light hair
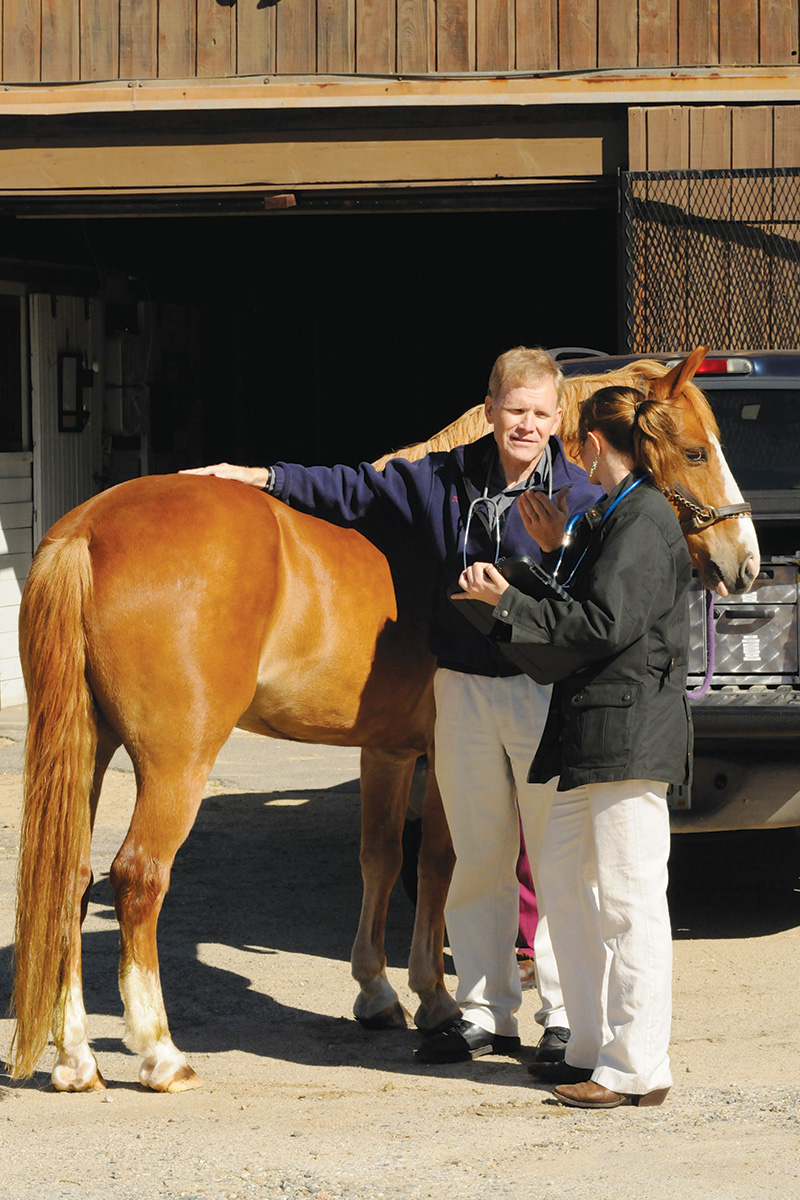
524	367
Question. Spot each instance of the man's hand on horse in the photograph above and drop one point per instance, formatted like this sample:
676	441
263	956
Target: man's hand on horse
544	519
256	476
481	581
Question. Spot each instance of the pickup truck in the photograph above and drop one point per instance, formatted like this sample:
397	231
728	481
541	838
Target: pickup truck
747	724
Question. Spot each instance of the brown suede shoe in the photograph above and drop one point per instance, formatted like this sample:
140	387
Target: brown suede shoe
527	972
594	1095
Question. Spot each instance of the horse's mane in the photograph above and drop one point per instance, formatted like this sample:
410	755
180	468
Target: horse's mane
472	424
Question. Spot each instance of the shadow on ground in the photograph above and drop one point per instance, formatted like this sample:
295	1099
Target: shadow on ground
278	872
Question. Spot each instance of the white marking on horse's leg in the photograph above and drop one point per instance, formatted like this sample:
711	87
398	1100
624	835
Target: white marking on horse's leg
76	1068
165	1068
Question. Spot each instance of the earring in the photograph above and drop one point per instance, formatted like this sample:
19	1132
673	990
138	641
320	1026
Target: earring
593	467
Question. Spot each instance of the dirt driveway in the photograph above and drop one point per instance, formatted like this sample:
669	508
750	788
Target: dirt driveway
299	1101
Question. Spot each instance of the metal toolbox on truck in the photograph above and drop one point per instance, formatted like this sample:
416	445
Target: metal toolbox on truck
755	634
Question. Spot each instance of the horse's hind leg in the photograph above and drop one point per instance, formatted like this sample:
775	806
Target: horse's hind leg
437	1008
166	806
385	783
76	1067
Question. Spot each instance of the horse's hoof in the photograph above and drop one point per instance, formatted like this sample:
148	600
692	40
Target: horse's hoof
393	1017
71	1081
433	1022
182	1081
96	1084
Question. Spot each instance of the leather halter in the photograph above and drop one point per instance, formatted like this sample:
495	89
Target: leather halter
702	516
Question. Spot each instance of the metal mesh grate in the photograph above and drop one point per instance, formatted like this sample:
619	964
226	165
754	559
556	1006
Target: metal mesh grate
712	257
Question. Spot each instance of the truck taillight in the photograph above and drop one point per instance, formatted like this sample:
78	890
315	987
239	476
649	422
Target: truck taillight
721	366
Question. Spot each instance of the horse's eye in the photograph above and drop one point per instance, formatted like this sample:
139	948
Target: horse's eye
697	454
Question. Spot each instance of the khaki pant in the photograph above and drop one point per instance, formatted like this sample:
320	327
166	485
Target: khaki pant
487	731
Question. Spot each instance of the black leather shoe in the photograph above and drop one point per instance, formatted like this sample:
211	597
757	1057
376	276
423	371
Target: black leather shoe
463	1041
559	1072
552	1044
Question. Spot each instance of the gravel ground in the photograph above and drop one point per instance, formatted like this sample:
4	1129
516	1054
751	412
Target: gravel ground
299	1101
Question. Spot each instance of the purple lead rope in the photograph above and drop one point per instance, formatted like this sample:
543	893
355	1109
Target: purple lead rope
706	684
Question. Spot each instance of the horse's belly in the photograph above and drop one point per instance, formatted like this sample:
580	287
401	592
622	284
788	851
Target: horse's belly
357	678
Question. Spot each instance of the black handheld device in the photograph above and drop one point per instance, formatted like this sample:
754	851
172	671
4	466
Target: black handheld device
542	661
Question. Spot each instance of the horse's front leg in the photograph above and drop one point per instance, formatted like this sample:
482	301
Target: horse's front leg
76	1068
437	1008
166	806
385	784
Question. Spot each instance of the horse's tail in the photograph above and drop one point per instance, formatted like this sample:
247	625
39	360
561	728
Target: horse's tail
59	767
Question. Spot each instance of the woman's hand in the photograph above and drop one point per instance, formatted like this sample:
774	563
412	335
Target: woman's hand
481	581
544	520
255	476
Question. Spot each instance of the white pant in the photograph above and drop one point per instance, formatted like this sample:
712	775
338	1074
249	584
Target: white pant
613	945
487	731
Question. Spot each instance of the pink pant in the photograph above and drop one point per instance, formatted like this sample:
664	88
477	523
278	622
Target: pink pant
528	912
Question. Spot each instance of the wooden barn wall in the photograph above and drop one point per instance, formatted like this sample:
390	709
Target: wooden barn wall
713	137
72	40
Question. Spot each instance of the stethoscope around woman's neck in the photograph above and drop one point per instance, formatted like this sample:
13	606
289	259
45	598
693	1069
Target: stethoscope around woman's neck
496	505
573	521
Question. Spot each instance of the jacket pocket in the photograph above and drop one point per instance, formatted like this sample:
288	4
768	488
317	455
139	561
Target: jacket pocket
599	724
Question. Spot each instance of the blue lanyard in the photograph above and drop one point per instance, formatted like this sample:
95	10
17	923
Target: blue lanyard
578	517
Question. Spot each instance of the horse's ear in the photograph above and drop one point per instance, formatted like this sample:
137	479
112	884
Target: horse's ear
673	382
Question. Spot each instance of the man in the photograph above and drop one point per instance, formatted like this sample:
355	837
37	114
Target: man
461	507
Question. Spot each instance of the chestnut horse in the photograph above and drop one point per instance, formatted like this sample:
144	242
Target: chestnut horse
166	611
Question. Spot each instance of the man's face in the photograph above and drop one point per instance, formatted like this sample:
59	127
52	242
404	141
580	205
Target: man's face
523	419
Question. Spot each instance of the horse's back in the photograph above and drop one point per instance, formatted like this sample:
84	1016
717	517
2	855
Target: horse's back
206	592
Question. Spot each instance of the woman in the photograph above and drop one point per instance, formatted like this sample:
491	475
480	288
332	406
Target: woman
618	732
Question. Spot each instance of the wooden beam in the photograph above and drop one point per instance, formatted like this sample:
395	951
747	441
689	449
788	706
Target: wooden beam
754	86
453	155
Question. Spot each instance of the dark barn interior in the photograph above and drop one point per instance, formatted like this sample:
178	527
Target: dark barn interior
329	337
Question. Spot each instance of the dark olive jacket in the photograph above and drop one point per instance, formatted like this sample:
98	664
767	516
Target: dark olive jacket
624	713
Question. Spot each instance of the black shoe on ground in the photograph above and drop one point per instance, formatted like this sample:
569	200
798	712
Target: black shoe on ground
552	1044
559	1072
463	1041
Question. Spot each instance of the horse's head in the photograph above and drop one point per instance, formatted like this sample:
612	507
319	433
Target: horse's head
714	518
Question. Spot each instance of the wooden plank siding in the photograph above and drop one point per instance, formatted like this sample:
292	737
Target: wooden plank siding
216	39
99	32
22	41
713	137
335	25
73	40
16	553
138	37
416	37
60	41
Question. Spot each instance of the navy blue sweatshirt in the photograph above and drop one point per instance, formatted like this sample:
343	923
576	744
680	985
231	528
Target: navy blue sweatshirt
428	501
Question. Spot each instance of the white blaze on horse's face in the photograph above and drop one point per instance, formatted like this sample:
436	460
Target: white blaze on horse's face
727	554
523	419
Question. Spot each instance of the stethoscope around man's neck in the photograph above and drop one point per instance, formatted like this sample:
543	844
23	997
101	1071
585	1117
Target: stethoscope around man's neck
496	505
